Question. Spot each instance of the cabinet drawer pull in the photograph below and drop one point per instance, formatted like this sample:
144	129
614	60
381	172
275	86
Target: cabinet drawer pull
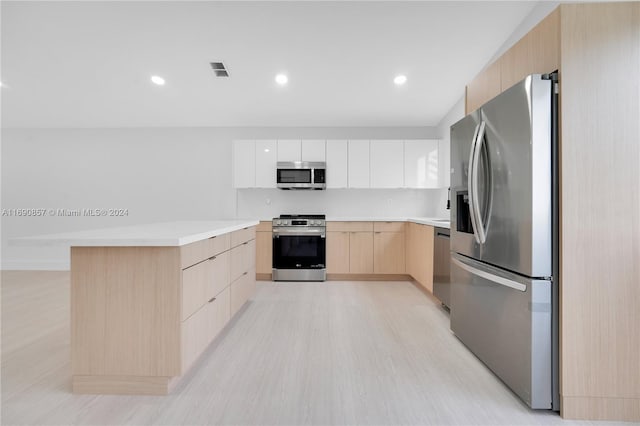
211	238
244	244
378	232
211	300
246	273
212	257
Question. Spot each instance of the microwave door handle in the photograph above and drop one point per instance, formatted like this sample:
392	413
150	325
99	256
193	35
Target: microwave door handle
470	184
482	236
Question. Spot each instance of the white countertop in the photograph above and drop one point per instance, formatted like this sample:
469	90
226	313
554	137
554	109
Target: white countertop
152	234
433	221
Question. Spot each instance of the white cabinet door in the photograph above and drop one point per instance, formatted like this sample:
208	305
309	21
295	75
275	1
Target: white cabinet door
244	164
266	159
289	150
421	168
337	163
387	164
444	163
358	164
313	150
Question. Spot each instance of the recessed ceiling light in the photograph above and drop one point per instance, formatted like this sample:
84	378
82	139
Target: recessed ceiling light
282	79
266	150
400	80
156	79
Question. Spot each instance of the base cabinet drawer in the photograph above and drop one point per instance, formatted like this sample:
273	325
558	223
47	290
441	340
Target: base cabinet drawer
194	287
195	336
202	327
243	258
193	253
220	312
242	236
203	281
242	289
219	274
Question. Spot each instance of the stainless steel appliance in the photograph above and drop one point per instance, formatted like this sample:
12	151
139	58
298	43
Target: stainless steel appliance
504	233
299	248
441	266
301	175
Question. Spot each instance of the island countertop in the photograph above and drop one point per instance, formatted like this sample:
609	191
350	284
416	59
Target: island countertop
152	234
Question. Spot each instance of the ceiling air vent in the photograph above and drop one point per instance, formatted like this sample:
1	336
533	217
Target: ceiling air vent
219	69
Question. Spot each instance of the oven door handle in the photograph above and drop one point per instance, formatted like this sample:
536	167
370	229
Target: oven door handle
298	232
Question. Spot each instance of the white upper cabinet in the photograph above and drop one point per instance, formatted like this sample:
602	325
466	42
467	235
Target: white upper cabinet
444	163
387	163
313	150
421	164
244	164
289	150
265	164
337	163
358	164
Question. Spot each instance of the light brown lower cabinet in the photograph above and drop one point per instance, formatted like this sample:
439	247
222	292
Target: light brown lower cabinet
141	316
389	248
361	252
365	249
242	289
264	251
203	326
419	247
337	250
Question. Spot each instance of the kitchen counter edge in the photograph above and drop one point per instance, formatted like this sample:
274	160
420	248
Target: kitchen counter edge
432	221
165	234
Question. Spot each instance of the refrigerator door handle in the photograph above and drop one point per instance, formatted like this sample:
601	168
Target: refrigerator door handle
470	183
489	276
475	205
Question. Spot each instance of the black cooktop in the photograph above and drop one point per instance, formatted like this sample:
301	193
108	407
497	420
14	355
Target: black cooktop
302	216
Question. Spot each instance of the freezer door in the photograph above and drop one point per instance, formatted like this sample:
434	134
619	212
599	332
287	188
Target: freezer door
505	320
463	135
508	181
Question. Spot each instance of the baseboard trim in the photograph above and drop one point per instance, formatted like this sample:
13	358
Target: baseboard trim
264	277
123	385
600	408
368	277
35	265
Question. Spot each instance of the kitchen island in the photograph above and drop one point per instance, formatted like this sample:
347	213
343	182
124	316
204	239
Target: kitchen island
147	300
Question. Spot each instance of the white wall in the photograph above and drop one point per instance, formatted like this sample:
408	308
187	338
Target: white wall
341	203
539	12
157	174
455	114
161	174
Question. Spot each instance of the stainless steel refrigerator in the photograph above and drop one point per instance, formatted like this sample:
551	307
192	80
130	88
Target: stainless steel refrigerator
504	233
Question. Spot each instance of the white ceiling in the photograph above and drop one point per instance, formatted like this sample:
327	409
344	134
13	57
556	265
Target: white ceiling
88	64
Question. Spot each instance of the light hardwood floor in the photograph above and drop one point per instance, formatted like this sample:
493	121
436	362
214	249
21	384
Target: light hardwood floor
298	353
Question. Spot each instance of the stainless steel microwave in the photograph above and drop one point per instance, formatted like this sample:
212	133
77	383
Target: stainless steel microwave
301	174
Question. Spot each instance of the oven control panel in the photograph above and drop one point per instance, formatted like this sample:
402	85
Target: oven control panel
298	222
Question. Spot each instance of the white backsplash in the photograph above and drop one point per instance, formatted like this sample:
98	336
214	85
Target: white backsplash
265	204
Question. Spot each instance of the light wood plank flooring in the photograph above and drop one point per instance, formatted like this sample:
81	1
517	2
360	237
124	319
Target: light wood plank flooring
298	353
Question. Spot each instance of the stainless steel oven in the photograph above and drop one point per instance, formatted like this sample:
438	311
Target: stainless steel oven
299	248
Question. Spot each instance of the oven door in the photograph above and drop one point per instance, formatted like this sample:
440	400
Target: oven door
299	249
